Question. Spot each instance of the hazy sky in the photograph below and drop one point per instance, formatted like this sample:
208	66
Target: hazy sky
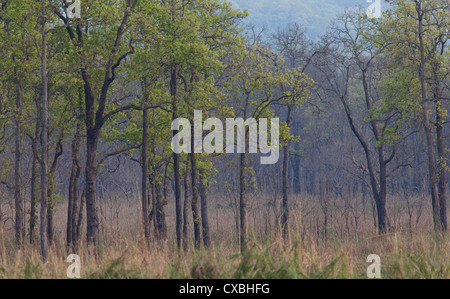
313	15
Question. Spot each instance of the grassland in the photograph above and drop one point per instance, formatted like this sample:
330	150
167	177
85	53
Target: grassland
335	248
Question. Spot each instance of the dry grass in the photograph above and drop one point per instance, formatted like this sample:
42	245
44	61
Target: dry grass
337	249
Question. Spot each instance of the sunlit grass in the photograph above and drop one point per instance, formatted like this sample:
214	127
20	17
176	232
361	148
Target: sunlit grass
341	253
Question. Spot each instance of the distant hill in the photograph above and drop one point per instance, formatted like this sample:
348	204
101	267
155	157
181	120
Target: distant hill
314	15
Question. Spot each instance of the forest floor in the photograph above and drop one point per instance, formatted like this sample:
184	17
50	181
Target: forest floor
335	248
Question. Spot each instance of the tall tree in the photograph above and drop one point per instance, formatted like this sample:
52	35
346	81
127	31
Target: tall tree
349	58
20	40
116	46
253	89
44	137
196	35
419	46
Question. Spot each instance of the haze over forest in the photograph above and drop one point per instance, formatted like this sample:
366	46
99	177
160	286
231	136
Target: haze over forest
314	15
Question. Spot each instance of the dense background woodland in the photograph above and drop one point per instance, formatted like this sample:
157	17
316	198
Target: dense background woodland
87	103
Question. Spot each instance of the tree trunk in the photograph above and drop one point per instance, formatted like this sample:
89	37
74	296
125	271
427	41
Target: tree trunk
145	212
176	159
44	141
92	232
426	122
18	201
72	212
285	203
243	203
185	208
194	202
296	174
381	198
442	171
378	188
442	161
152	215
80	218
204	211
34	175
160	214
51	186
1	219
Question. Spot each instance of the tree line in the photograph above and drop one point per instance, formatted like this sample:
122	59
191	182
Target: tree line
110	82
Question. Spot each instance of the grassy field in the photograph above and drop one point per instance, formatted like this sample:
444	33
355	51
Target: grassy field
335	248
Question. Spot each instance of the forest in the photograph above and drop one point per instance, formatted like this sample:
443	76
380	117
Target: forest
91	94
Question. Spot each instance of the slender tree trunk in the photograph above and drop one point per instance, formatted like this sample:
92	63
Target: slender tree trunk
145	212
78	218
381	200
296	174
442	171
50	209
72	212
176	159
160	214
194	202
34	175
152	202
185	208
33	197
51	187
442	161
2	234
44	141
152	215
93	224
1	220
243	202
18	201
426	122
285	203
204	211
380	189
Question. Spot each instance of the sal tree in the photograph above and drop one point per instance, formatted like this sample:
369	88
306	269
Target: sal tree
194	35
414	37
103	40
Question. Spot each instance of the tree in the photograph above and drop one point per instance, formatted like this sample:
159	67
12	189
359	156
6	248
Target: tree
350	58
16	35
44	137
420	46
296	85
253	88
116	46
196	35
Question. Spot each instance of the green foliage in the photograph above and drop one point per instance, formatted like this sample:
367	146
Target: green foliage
116	269
31	270
418	265
397	40
261	265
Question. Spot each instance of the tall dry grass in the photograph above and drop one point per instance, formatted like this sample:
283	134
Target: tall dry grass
329	238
